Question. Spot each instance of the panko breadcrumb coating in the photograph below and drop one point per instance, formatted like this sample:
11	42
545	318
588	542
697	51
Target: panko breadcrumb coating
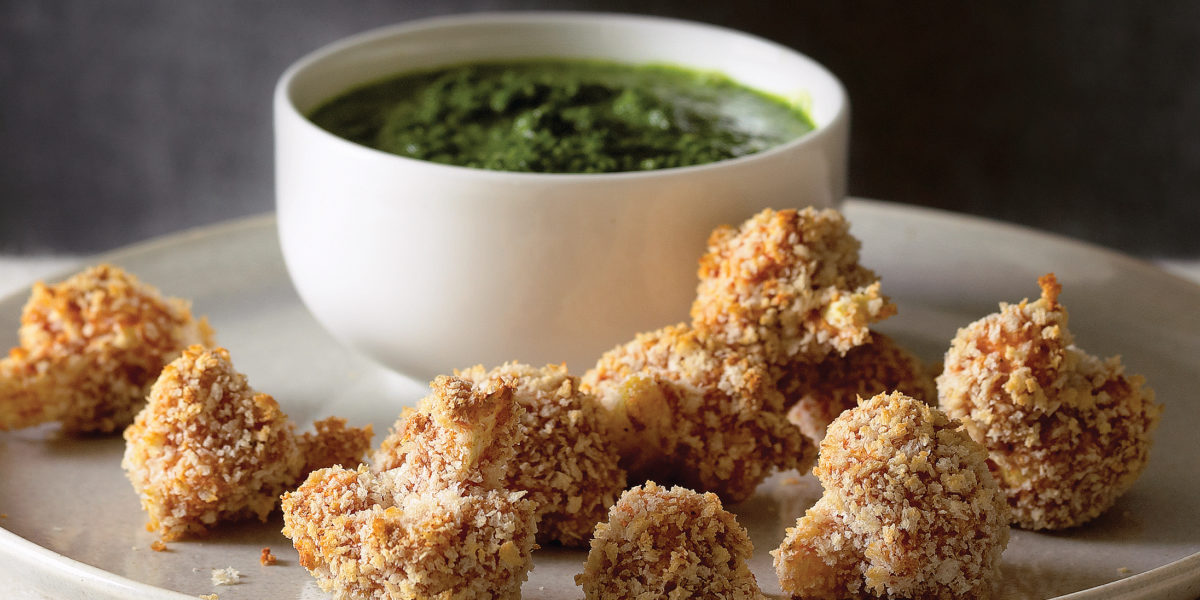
90	348
208	448
788	283
563	459
463	433
708	418
819	392
909	511
363	534
435	522
1067	433
669	543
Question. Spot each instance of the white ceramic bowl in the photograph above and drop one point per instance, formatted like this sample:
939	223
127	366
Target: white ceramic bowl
427	267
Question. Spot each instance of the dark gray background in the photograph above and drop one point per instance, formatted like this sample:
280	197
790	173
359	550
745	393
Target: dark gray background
125	119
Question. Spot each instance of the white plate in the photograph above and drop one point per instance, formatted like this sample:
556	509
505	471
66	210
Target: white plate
73	526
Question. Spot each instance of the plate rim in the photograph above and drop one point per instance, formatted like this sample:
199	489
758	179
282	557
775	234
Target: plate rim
1176	579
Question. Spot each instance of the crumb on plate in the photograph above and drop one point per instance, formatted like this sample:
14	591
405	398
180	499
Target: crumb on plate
265	558
226	576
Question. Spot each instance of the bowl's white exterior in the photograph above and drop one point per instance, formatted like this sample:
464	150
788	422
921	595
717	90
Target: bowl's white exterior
428	267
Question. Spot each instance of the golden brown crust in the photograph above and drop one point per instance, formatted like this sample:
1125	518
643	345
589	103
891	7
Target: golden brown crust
910	510
208	448
683	412
90	348
1067	433
434	520
365	535
563	458
787	283
332	443
676	543
464	433
819	392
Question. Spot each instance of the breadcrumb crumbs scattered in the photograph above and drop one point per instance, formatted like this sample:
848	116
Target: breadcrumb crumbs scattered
669	543
438	523
158	546
1067	433
1124	570
705	417
208	597
90	348
910	510
265	558
208	448
818	392
226	576
788	283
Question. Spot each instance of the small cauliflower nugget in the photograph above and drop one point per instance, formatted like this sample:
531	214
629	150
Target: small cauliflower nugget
669	543
909	510
689	413
208	448
1067	432
434	520
787	283
90	348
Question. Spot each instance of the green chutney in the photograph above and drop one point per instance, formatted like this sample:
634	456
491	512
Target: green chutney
563	116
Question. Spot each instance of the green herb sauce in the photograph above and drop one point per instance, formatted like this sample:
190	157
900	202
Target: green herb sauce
563	116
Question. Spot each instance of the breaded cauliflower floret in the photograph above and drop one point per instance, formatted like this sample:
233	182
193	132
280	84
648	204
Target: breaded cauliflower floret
1067	433
364	535
90	348
463	433
669	543
564	459
819	392
788	283
436	522
683	412
909	511
208	448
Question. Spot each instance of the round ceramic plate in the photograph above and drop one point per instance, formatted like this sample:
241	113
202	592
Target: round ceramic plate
72	526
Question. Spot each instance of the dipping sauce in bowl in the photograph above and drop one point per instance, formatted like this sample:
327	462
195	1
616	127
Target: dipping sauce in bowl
563	116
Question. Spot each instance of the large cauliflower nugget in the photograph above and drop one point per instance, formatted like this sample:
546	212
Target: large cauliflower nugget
708	418
1067	432
208	448
439	523
787	283
909	511
90	348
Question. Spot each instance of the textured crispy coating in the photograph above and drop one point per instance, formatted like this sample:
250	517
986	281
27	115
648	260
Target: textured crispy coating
1067	432
563	458
208	448
910	510
90	348
364	534
788	283
689	413
819	392
669	543
433	520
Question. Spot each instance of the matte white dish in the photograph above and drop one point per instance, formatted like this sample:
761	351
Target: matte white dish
424	266
73	527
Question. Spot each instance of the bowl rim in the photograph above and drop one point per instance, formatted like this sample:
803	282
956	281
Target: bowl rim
285	107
